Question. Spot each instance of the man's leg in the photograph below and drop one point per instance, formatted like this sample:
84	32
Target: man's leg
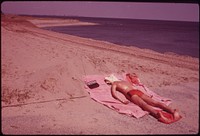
154	103
142	104
163	106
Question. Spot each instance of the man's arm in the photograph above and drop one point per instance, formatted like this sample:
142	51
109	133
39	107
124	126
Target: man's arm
114	94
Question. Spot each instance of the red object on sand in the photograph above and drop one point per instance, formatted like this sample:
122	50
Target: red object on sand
133	78
169	116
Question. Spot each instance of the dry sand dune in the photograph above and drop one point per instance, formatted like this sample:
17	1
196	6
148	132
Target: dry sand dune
42	90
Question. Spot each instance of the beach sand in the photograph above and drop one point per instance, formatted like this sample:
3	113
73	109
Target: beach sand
43	92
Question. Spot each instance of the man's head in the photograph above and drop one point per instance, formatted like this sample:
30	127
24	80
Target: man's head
110	79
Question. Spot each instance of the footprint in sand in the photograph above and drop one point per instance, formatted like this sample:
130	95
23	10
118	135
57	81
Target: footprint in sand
49	84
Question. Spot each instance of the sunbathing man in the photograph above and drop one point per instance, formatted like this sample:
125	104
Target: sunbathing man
140	99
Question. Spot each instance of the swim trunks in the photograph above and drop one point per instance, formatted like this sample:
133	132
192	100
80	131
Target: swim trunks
135	92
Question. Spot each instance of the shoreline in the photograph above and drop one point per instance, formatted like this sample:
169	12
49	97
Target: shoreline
136	33
124	49
42	70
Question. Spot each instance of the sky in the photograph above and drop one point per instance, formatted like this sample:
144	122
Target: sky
132	10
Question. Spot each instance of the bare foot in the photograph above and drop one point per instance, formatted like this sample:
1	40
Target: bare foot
163	118
176	115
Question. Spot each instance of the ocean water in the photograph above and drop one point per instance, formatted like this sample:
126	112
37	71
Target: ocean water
161	36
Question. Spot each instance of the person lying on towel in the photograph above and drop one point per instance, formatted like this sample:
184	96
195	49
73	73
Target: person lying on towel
139	98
